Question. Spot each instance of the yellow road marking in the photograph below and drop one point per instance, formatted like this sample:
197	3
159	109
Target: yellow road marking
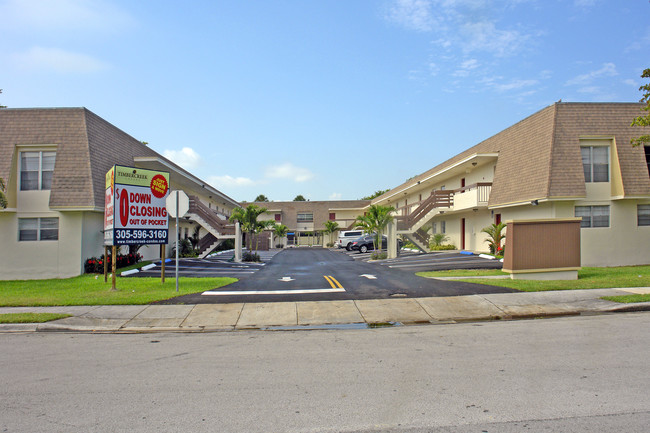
333	282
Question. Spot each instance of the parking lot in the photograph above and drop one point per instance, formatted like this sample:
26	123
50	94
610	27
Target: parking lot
218	265
221	265
319	274
416	261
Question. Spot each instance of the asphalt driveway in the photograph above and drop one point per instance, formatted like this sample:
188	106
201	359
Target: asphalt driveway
317	274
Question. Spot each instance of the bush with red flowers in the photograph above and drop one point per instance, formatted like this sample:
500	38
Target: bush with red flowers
95	265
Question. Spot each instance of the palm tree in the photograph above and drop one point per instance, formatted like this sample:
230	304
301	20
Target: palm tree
376	220
280	230
261	197
248	220
331	227
495	237
3	197
260	227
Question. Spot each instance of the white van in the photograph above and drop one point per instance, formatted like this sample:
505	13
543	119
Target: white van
347	237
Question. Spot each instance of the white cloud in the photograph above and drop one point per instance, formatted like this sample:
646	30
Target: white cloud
57	60
585	3
186	157
484	36
289	171
466	67
515	85
335	196
608	70
63	15
412	14
229	181
630	82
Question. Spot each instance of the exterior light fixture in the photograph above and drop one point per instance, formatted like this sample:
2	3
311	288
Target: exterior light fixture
534	202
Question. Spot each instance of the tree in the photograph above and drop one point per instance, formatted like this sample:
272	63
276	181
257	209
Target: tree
375	221
299	197
2	106
331	227
495	237
643	120
261	198
375	194
280	230
3	196
248	220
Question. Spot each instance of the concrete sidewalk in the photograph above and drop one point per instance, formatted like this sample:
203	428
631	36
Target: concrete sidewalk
326	314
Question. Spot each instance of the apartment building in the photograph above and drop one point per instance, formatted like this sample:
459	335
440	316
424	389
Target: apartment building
54	162
566	160
306	219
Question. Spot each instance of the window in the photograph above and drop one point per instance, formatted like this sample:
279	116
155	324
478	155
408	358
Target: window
36	169
593	216
278	217
647	157
443	227
332	216
595	163
305	217
434	228
643	215
38	229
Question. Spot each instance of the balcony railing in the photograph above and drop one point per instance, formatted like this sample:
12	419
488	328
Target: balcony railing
467	197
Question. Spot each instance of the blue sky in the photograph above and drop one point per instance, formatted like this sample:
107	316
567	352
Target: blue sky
328	99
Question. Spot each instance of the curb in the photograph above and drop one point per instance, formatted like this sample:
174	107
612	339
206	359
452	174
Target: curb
33	327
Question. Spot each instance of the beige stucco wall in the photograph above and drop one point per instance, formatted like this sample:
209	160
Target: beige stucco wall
41	259
622	243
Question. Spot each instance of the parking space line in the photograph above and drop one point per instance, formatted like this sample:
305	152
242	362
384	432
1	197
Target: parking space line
275	292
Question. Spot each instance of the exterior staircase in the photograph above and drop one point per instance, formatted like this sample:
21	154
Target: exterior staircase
420	239
218	228
464	198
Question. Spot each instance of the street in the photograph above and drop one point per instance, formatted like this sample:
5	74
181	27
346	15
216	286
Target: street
576	374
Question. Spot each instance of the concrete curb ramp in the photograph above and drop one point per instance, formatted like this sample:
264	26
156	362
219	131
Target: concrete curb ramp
327	314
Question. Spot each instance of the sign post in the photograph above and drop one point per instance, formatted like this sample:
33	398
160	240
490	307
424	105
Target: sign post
178	203
134	208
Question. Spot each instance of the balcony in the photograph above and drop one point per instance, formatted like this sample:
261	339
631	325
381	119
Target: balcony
412	217
472	196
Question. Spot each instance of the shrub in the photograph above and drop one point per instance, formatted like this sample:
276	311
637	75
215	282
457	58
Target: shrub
250	257
437	240
279	246
443	247
95	265
378	256
330	244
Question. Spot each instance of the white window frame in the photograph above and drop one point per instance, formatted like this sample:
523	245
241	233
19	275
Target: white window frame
590	177
40	170
588	213
39	225
643	215
305	217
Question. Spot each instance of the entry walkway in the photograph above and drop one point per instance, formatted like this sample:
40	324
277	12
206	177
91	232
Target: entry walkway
327	314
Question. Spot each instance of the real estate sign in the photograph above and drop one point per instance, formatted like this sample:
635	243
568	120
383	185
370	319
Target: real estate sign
134	211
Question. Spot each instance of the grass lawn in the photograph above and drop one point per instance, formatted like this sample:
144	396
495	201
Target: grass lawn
628	299
588	278
90	289
31	317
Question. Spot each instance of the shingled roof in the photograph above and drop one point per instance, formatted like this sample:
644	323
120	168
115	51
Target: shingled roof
87	147
539	157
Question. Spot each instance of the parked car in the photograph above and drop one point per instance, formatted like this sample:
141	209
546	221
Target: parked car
347	237
366	243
